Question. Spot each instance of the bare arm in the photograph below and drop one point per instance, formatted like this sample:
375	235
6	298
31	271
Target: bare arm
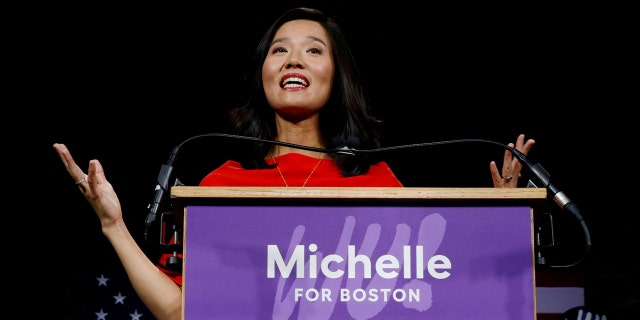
157	291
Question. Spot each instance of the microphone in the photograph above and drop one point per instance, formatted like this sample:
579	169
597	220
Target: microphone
349	146
544	178
159	197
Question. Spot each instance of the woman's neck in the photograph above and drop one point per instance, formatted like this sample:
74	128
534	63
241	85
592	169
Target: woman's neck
302	133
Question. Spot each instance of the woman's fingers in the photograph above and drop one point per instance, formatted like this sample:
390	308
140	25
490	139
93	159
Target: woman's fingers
72	168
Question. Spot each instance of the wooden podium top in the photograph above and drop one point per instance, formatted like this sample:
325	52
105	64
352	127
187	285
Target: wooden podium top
195	193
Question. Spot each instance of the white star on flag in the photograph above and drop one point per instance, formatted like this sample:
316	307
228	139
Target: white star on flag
102	281
135	315
101	315
119	298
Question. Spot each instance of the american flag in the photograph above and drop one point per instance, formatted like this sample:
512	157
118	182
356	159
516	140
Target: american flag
111	297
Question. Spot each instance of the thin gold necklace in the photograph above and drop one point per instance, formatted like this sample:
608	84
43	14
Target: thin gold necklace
285	180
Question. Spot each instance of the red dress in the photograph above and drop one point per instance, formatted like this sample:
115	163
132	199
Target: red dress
295	170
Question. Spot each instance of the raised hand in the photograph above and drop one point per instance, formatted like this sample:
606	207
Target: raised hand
511	166
93	186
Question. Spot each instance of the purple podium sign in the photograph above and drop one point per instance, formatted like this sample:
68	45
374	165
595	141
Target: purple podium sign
358	262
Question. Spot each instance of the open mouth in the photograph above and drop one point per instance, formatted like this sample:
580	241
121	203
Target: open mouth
293	81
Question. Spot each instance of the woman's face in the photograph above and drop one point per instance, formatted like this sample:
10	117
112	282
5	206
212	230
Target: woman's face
297	73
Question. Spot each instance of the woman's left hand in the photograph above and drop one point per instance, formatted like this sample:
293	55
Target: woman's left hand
511	166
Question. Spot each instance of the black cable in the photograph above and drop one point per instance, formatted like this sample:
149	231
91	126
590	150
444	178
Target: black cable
536	170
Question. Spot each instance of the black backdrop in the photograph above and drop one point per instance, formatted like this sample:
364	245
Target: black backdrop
126	84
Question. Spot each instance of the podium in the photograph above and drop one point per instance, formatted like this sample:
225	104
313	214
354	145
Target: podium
358	253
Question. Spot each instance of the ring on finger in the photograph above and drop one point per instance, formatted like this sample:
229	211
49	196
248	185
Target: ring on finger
79	182
509	177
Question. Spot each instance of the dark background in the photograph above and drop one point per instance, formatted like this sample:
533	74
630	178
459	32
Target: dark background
126	84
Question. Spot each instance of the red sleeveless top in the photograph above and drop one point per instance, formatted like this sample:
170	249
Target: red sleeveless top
299	170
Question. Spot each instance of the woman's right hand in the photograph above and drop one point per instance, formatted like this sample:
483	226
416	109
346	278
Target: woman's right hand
159	293
94	187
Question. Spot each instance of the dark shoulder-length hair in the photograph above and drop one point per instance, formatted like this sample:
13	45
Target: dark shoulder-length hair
346	120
